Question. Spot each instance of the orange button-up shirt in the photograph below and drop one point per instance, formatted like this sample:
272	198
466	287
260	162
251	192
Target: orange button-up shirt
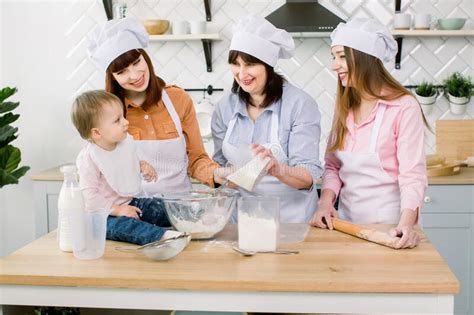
156	124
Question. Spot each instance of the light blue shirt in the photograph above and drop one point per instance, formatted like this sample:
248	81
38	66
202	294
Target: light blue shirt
299	130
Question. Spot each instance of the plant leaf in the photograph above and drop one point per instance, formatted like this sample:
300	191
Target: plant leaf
20	172
8	106
10	157
7	179
8	119
6	93
6	132
7	141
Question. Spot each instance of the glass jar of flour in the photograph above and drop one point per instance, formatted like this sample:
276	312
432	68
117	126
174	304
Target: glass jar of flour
258	223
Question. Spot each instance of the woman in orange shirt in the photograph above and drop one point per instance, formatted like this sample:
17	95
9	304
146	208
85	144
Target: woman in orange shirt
162	118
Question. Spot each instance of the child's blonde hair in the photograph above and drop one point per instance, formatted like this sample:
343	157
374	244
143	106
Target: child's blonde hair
87	108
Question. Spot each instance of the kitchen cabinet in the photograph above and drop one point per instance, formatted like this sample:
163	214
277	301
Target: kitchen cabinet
448	221
47	185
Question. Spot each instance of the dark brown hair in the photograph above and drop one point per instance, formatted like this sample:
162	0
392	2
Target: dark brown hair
155	86
273	87
367	77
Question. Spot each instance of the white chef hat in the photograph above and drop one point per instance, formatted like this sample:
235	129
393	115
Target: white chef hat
366	35
108	41
255	36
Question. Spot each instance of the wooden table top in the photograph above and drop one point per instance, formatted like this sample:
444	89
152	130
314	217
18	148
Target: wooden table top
329	261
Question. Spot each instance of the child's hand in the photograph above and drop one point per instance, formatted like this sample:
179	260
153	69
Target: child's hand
126	211
148	172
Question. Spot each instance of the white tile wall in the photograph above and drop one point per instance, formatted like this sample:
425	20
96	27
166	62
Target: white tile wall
182	63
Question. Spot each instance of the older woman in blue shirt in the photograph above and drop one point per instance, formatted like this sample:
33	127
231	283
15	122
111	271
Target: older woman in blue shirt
267	115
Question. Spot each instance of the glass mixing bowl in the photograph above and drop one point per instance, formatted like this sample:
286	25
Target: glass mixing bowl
203	214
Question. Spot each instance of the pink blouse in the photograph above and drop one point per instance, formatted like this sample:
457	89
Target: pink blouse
400	146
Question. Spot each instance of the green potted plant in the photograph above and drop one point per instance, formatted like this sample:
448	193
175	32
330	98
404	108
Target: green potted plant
458	89
426	94
10	156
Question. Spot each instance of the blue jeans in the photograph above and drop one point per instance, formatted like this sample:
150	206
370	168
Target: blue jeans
146	230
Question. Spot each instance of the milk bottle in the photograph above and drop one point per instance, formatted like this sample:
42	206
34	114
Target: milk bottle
70	201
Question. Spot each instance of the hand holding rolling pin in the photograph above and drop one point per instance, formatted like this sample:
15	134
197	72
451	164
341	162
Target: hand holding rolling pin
322	218
408	236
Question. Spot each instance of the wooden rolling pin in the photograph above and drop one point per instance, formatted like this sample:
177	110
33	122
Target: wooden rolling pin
368	234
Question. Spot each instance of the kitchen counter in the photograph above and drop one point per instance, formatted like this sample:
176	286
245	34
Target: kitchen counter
334	272
465	177
54	174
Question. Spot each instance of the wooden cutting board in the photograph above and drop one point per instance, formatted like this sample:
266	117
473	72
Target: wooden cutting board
455	139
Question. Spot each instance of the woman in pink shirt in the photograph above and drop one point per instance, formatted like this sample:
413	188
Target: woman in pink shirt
375	159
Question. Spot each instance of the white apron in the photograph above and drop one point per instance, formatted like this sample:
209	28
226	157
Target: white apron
168	157
296	206
121	167
368	195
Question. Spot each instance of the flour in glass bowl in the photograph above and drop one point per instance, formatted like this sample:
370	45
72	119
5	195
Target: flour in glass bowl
257	234
209	224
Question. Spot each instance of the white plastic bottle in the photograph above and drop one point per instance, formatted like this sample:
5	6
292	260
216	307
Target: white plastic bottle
70	201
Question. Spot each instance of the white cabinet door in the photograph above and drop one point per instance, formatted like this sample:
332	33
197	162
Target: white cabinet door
46	206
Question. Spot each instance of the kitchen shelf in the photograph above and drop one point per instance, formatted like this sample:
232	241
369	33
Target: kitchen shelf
398	35
310	34
432	33
184	37
206	40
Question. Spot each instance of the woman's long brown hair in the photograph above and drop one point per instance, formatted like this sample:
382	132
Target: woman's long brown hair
155	86
366	77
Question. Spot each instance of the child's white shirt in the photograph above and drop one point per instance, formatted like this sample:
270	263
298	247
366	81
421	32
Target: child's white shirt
109	177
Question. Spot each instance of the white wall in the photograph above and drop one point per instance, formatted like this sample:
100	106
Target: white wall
44	55
33	60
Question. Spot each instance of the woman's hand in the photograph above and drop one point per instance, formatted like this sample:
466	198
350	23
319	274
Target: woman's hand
148	172
322	218
221	173
273	168
408	236
126	211
406	229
